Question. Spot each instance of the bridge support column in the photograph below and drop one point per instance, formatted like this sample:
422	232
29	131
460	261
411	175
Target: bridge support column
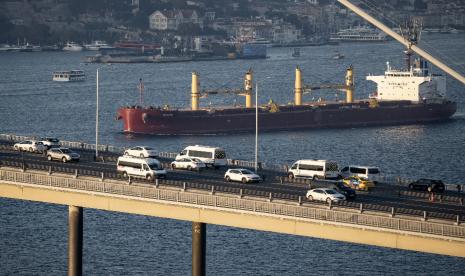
75	234
199	248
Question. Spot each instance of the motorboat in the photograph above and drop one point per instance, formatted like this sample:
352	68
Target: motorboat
72	46
97	45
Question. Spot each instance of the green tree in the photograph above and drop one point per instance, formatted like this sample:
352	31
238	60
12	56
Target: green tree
6	28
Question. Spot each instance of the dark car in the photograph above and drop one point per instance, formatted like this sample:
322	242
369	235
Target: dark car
423	184
336	185
345	190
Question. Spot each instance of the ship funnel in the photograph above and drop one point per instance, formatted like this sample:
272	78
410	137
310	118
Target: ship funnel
349	84
298	87
195	93
248	88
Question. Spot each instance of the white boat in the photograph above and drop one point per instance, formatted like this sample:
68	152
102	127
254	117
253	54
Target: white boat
30	48
9	48
358	34
73	75
338	55
97	45
72	46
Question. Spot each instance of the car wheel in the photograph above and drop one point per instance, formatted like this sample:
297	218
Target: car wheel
142	155
228	178
290	175
49	158
173	166
125	174
31	150
189	168
315	177
244	180
149	177
310	197
63	159
126	153
328	200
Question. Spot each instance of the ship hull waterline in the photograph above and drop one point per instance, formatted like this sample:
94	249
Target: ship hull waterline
138	120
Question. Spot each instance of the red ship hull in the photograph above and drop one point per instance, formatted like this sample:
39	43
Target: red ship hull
231	120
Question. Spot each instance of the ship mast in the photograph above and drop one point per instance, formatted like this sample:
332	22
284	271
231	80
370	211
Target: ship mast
403	40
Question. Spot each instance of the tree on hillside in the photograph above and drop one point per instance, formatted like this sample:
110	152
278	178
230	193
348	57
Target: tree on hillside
6	28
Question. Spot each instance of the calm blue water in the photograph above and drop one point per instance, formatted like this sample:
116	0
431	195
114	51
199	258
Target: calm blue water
33	237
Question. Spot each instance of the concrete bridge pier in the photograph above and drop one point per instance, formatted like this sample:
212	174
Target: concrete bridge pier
199	248
75	229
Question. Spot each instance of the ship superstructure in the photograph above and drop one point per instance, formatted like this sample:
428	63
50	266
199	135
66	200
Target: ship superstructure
416	84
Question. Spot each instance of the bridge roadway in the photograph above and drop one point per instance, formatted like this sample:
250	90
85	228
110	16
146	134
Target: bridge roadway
284	211
384	197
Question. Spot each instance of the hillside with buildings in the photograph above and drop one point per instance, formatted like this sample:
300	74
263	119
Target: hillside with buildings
180	21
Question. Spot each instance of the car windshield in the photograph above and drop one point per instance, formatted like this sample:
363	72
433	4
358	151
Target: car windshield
148	148
155	166
246	172
331	192
196	160
373	171
66	151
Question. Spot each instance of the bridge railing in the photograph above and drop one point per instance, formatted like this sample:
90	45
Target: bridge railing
281	168
234	203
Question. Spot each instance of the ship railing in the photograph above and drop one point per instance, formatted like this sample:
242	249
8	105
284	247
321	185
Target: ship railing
250	203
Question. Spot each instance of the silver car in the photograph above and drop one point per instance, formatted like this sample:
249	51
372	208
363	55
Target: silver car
62	154
30	145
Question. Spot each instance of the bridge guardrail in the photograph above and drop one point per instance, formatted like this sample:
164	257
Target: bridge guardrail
387	178
304	212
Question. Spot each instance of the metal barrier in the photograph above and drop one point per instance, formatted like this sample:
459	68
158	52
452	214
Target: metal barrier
257	206
386	178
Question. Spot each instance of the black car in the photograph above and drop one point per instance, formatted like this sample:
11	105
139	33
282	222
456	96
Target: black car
423	184
345	190
336	185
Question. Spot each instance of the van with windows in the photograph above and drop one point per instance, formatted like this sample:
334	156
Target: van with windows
211	156
314	169
148	168
369	173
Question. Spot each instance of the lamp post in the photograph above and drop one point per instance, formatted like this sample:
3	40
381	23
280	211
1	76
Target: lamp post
96	119
256	127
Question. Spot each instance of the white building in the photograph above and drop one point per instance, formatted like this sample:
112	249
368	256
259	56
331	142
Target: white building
285	34
170	20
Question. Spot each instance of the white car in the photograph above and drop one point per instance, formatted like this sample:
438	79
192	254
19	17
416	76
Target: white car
325	194
241	175
188	163
140	151
30	145
50	142
62	154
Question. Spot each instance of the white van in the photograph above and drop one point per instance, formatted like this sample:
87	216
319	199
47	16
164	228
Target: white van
370	173
314	169
211	156
147	168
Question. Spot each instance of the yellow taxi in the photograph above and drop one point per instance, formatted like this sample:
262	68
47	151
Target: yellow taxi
358	183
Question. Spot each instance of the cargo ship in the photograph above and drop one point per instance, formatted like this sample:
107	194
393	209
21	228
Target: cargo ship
410	96
420	99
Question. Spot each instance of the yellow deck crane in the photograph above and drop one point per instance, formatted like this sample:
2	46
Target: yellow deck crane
196	93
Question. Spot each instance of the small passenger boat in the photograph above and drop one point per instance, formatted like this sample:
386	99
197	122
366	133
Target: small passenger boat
73	75
72	46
